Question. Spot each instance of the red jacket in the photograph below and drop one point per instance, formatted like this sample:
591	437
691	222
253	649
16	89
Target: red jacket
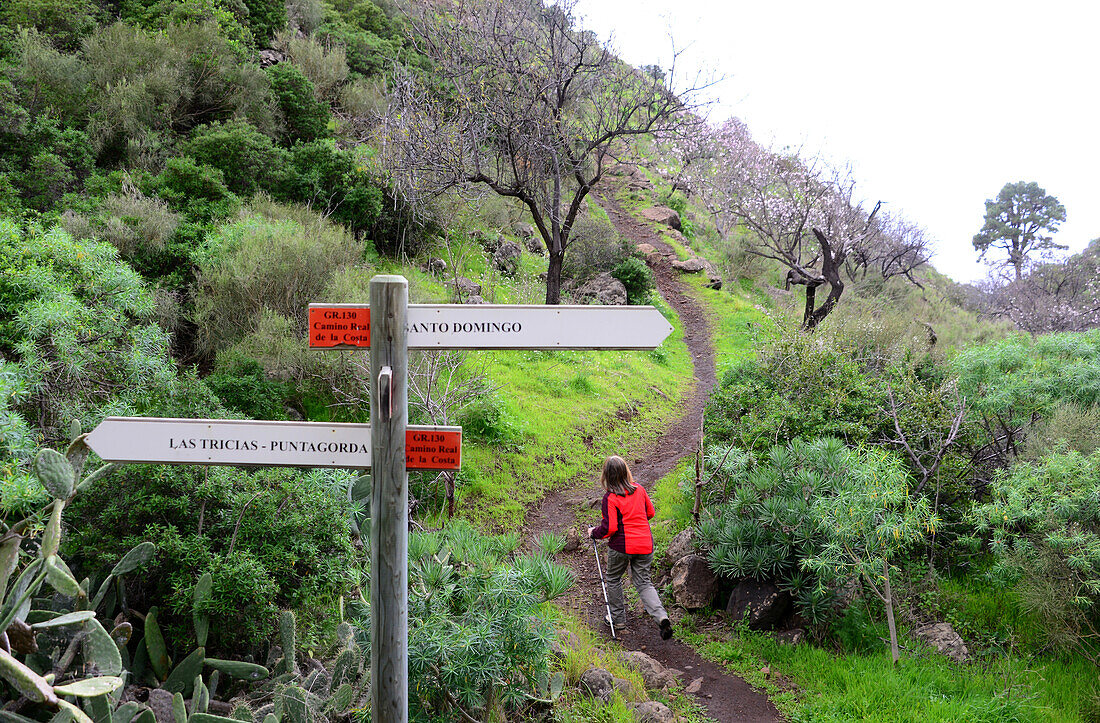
626	522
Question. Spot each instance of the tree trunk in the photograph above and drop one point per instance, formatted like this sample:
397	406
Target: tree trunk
553	277
888	600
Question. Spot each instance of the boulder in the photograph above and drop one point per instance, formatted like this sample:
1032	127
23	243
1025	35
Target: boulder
597	682
601	289
437	267
270	57
790	637
475	299
506	258
944	639
762	604
715	284
463	287
654	675
653	712
662	214
692	266
534	245
681	546
572	540
693	584
646	250
524	230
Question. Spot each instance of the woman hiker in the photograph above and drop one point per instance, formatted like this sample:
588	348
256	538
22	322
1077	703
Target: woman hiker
627	511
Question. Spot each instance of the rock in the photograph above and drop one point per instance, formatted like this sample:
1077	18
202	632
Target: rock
681	546
506	258
524	230
790	637
271	57
762	604
475	299
944	639
463	287
653	712
602	289
624	688
694	687
654	675
437	267
692	266
662	214
160	702
562	642
534	245
715	284
693	584
646	250
572	540
597	682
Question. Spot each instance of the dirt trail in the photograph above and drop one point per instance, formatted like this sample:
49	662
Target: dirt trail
726	697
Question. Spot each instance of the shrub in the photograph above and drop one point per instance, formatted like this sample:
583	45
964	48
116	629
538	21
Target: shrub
486	420
266	18
326	68
277	259
329	180
242	386
196	190
1068	428
594	247
247	158
637	277
64	22
305	116
1044	519
271	539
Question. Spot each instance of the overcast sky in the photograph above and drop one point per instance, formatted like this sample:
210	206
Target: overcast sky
936	105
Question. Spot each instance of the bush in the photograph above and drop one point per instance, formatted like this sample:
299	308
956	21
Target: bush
266	18
486	420
272	539
594	247
198	191
65	22
330	180
275	259
305	116
242	386
1044	518
1068	428
245	156
637	277
326	68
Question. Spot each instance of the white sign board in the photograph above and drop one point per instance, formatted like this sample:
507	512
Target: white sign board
158	440
497	326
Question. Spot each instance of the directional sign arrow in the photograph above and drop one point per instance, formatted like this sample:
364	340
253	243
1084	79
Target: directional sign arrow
161	440
497	326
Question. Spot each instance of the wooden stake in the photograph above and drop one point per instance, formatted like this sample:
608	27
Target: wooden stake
389	526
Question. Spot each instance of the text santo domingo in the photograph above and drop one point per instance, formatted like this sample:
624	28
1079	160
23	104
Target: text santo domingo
355	331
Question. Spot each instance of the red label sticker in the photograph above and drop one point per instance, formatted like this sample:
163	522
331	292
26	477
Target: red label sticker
433	449
339	326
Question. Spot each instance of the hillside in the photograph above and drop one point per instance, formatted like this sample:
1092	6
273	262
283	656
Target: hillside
868	471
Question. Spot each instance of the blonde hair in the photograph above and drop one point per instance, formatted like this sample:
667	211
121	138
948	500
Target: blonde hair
616	476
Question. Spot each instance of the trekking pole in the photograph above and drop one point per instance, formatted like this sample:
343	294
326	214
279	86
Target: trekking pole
606	602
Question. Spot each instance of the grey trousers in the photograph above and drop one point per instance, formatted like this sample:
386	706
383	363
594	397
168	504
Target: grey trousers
639	565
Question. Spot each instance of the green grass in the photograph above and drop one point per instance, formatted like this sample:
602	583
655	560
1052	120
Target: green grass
568	410
846	687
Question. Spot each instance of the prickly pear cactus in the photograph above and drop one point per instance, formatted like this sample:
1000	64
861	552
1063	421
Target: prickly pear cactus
55	473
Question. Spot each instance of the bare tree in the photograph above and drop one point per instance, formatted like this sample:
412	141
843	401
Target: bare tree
527	105
1050	297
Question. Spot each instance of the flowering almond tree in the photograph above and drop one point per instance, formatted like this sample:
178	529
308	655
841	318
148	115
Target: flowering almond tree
804	216
525	105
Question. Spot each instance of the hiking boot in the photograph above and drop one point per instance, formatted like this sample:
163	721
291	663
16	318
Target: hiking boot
666	629
618	625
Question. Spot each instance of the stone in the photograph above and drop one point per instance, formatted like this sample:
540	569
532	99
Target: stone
270	57
601	289
534	245
654	675
693	584
506	258
437	267
463	287
944	639
793	636
694	687
524	230
761	604
475	299
662	214
715	284
624	688
653	712
572	540
597	682
562	642
692	266
681	546
646	250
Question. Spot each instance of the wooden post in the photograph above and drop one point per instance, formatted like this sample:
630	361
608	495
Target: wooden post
389	529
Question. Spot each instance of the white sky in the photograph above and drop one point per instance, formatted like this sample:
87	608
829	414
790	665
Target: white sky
935	105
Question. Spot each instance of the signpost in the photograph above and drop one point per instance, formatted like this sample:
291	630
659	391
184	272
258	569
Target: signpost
158	440
389	327
496	326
